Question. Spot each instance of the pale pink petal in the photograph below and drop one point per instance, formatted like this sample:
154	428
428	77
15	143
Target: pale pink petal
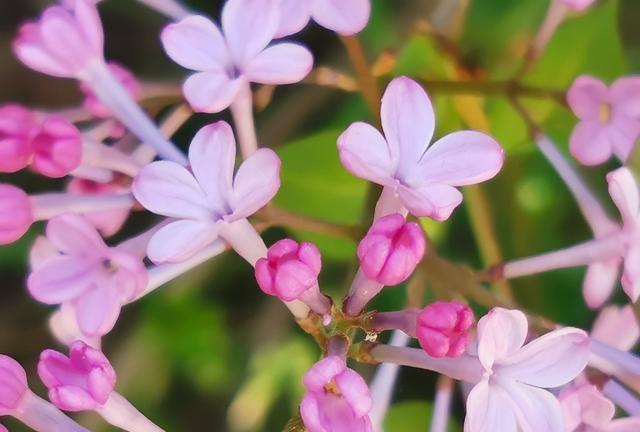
256	183
625	96
501	333
436	201
489	410
168	189
196	43
249	26
180	240
97	310
590	143
343	17
623	133
585	97
629	424
284	63
355	391
586	405
65	40
323	372
131	276
211	92
294	16
61	278
631	274
460	159
616	326
600	280
625	194
536	409
88	19
73	234
29	49
366	154
212	155
408	121
551	360
71	398
311	413
41	251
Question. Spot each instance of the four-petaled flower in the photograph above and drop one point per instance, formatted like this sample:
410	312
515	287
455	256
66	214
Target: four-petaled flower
344	17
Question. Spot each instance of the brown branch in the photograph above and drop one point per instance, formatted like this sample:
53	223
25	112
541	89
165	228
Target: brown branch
276	216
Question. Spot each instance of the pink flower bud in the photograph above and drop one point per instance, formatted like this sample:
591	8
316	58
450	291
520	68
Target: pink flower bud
289	269
13	385
16	126
442	329
124	76
391	250
57	148
16	214
83	381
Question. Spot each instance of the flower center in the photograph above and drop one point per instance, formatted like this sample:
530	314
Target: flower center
332	388
604	113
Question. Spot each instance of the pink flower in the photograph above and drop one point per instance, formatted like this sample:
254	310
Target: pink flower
81	382
442	329
345	18
13	385
423	177
96	280
391	250
16	126
338	399
511	394
56	147
577	5
62	43
124	76
16	213
108	222
616	326
609	119
587	410
226	61
207	199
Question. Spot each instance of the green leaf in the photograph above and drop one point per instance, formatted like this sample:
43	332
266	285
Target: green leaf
628	19
412	416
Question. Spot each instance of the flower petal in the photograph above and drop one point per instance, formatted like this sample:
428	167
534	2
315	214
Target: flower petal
98	309
366	154
311	414
256	183
631	274
489	410
590	144
585	97
551	360
212	155
61	278
355	391
323	372
249	26
460	159
625	96
29	49
629	424
623	133
284	63
196	43
343	17
408	121
294	16
88	19
41	250
436	201
536	409
211	92
501	333
625	194
168	189
599	282
616	326
180	240
75	235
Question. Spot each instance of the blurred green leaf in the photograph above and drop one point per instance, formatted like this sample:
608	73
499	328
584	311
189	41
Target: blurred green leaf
628	19
412	416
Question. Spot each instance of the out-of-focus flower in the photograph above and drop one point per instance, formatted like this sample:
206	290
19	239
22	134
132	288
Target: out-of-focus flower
13	385
344	17
423	177
511	394
128	80
609	119
108	222
577	5
16	127
442	329
227	61
16	213
585	409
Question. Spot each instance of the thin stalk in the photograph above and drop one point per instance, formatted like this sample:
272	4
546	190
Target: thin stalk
242	113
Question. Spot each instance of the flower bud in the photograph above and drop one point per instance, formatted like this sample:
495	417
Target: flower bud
13	385
16	126
442	329
83	381
391	250
16	213
57	148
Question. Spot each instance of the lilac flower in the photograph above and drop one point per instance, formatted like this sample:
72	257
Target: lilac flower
226	61
344	17
13	385
442	329
338	399
510	395
94	279
609	119
417	176
208	201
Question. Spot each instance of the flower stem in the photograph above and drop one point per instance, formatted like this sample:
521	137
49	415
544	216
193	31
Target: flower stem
361	292
242	112
42	416
622	397
622	359
121	413
404	320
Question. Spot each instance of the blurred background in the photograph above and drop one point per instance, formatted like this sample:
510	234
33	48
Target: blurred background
209	352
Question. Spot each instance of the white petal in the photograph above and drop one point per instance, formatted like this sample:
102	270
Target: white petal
180	240
284	63
249	26
256	183
211	92
346	17
501	333
294	16
489	410
624	192
616	326
599	282
436	201
536	409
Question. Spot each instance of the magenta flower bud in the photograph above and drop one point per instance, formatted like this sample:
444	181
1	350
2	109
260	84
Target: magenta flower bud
391	250
83	381
124	76
13	385
16	213
442	329
57	148
16	125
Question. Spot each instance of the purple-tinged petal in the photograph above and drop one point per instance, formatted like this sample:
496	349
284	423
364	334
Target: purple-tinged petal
631	274
284	63
256	183
74	235
294	16
408	121
344	17
501	333
196	43
41	250
211	92
589	143
599	282
61	278
97	310
625	194
435	201
535	409
29	49
586	96
551	360
249	26
586	405
180	240
489	410
55	369
310	412
355	391
625	96
130	276
57	148
73	399
623	134
168	189
323	372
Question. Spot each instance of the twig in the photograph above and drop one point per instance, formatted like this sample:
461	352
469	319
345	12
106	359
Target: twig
276	216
